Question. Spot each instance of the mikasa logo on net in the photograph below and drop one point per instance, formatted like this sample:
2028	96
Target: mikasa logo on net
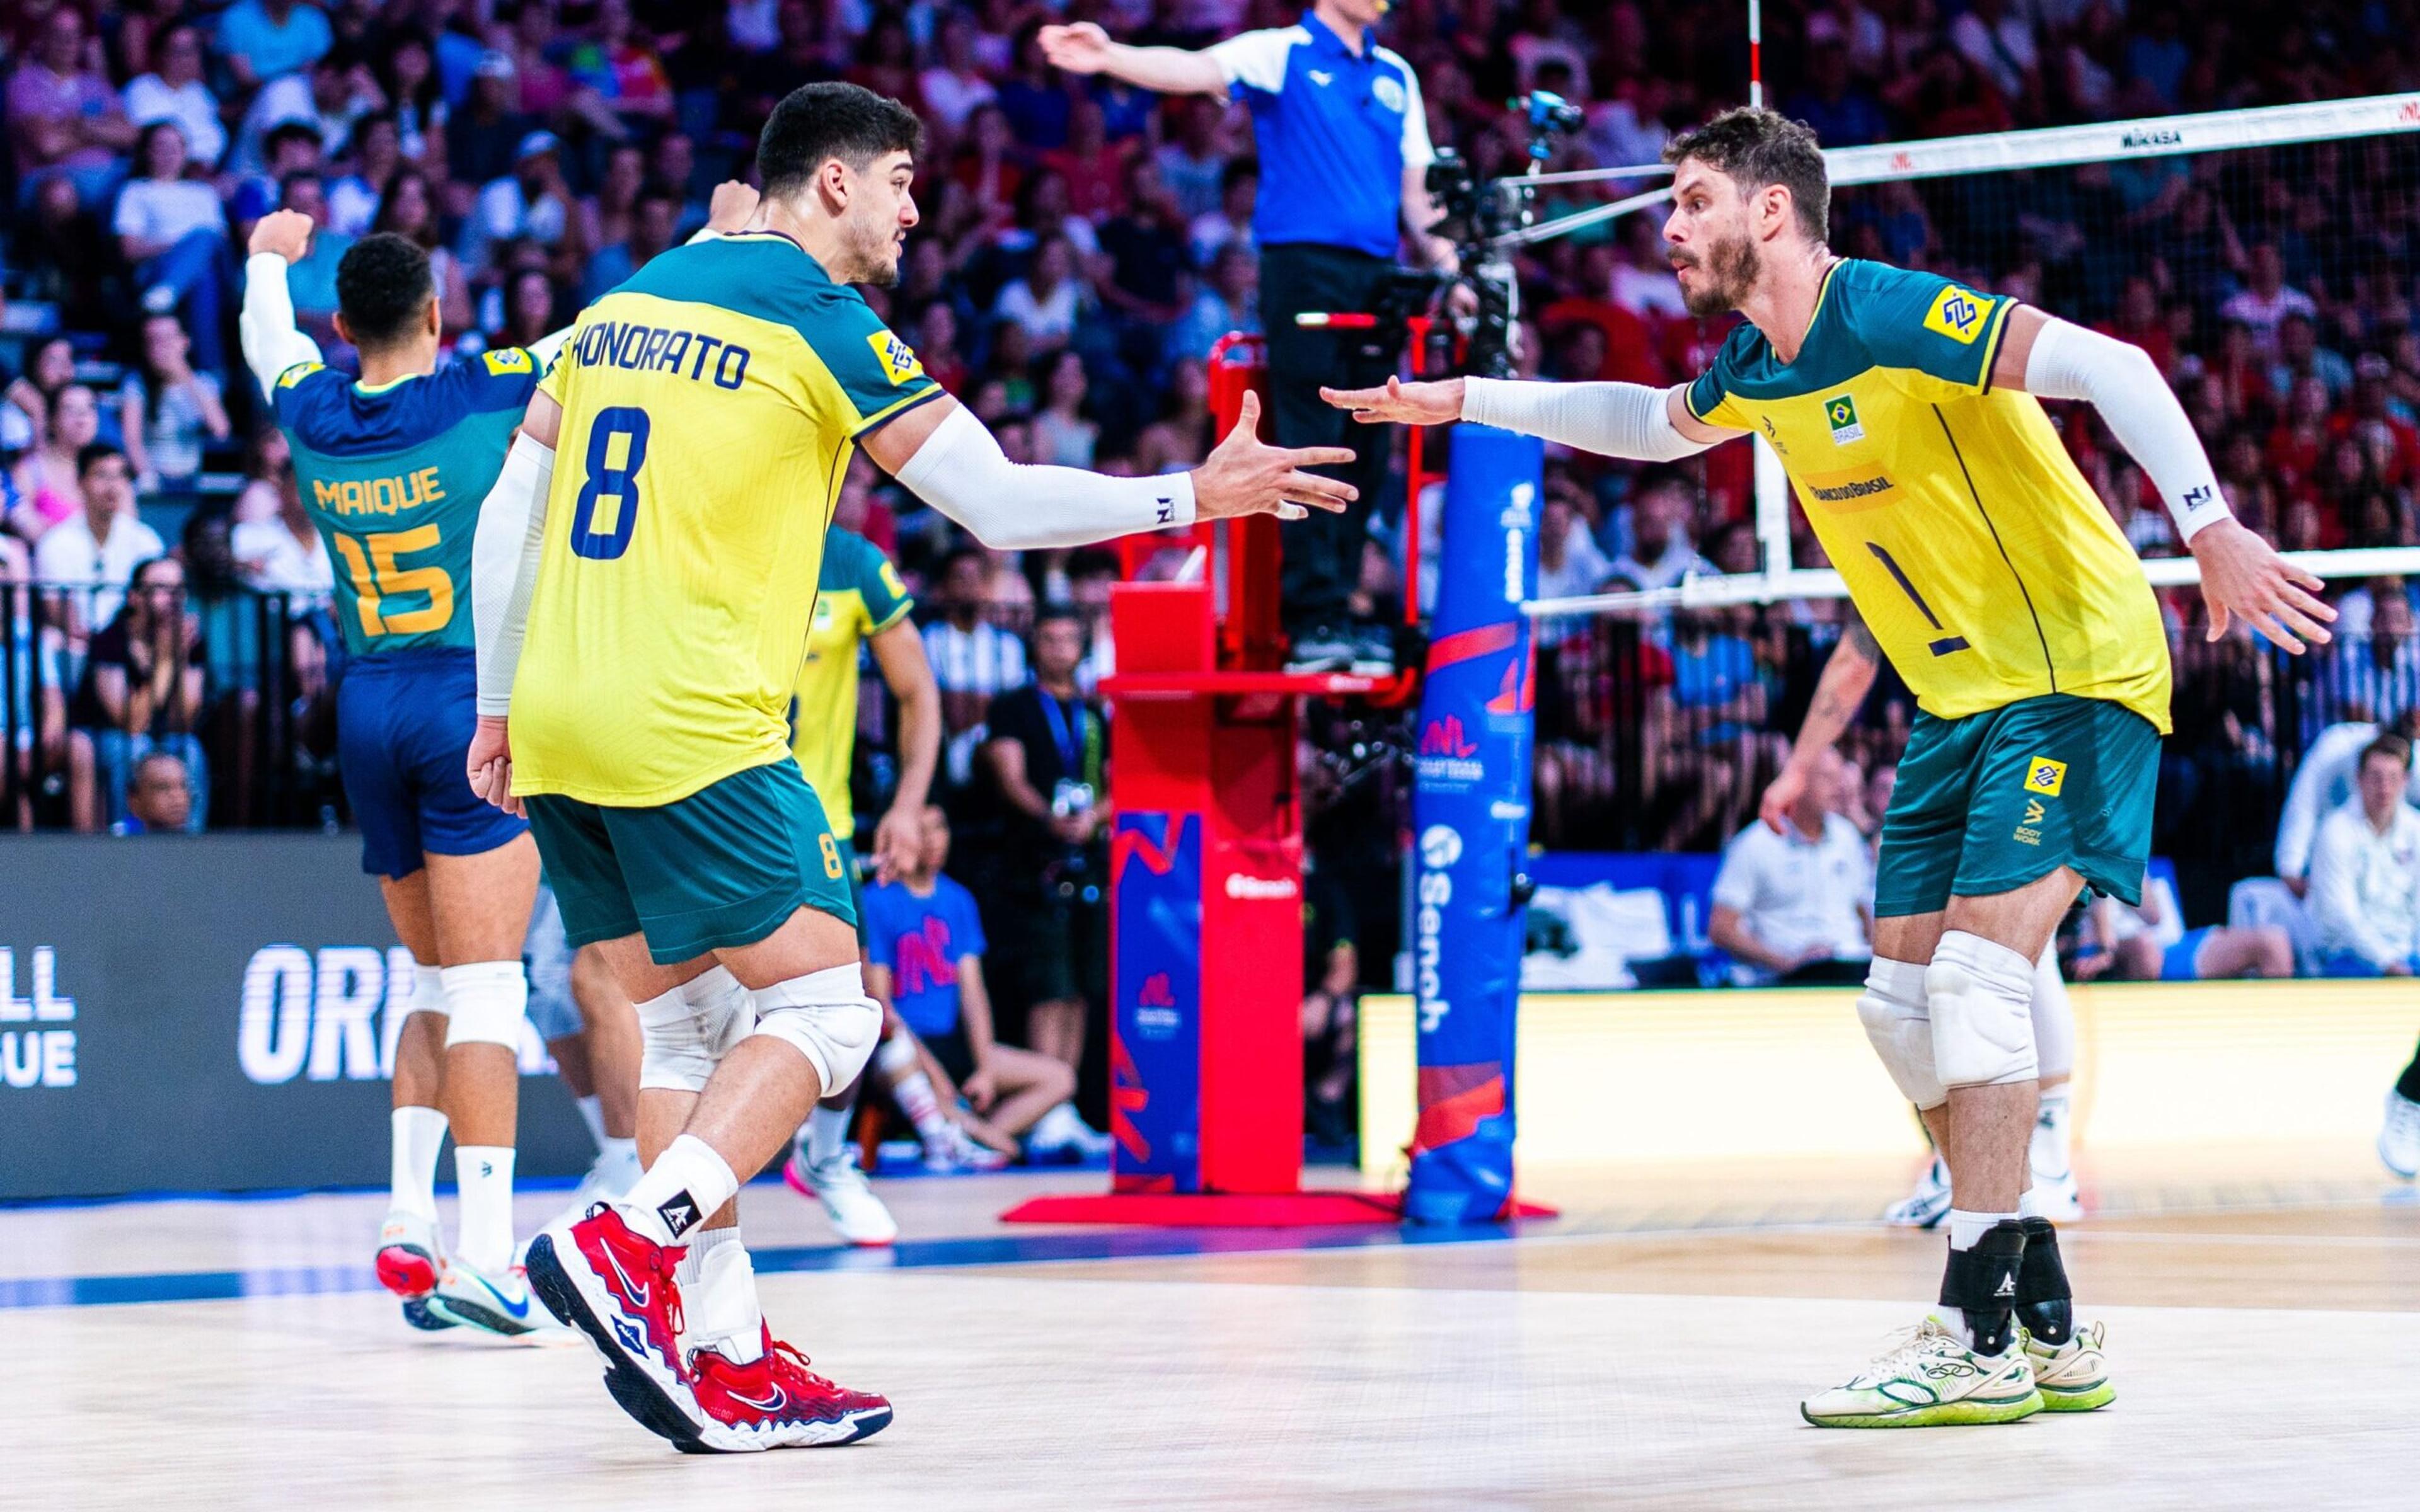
31	1058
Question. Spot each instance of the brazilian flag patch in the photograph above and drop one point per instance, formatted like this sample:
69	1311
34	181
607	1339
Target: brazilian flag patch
1841	413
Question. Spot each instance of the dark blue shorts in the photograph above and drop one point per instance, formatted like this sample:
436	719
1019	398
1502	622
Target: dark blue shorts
403	733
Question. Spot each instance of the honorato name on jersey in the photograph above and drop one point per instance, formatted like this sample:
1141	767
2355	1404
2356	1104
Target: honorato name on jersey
629	345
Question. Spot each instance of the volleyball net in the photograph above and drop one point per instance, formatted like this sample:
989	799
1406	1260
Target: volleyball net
2267	259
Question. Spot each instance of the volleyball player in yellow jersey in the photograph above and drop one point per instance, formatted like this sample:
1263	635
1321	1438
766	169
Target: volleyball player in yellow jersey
1902	408
642	611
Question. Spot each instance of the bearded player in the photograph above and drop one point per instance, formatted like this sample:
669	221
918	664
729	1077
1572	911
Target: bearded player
1904	409
643	609
1848	676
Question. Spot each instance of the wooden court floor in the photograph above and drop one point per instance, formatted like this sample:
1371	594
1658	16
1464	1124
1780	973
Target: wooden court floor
1646	1350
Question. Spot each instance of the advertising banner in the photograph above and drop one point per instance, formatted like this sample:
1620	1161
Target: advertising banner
1471	828
211	1012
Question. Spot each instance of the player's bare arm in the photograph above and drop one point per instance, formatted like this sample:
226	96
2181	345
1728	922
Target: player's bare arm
2242	577
899	651
1848	676
1085	48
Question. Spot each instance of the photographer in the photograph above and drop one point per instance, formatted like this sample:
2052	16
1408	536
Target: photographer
1045	758
1343	147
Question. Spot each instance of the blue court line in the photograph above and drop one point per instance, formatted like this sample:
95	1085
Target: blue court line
908	1255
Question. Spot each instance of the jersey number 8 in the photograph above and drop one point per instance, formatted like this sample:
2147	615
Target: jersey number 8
605	478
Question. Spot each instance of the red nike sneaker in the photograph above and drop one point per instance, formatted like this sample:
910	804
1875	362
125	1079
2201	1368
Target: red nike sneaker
616	1285
776	1402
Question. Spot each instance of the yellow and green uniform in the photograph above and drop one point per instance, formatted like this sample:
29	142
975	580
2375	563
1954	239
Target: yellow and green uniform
858	596
1989	572
711	407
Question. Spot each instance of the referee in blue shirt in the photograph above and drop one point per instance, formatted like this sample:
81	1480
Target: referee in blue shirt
1345	152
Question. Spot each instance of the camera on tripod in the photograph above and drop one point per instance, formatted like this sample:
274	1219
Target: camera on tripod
1483	218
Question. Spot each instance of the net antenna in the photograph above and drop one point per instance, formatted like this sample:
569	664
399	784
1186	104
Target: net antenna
2112	143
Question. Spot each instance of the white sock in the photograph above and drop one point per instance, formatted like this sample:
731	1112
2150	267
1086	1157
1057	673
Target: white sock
484	1174
1966	1228
618	1152
828	1131
688	1184
416	1134
718	1287
896	1058
592	1113
2047	1150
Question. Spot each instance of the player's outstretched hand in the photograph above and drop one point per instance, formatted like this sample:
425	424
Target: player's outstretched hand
490	765
733	205
1400	403
1780	796
2243	578
286	233
1079	48
1244	476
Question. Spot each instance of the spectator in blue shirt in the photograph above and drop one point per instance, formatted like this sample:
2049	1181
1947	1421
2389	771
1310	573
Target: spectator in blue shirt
261	40
923	956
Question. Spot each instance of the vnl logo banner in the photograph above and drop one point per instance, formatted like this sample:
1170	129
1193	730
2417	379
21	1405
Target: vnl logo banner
333	1014
37	1050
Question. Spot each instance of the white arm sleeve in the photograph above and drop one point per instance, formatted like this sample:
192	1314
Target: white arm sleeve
2119	379
961	472
272	342
503	566
1611	419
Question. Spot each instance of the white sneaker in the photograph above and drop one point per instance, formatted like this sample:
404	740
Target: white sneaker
954	1150
609	1178
2399	1141
857	1215
2073	1377
475	1299
1927	1204
1060	1135
1930	1377
409	1252
2056	1197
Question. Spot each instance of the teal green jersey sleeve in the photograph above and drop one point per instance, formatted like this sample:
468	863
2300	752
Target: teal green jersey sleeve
1935	337
1707	394
887	600
878	371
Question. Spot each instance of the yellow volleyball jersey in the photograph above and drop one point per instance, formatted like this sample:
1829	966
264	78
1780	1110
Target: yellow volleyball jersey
1984	563
858	596
710	406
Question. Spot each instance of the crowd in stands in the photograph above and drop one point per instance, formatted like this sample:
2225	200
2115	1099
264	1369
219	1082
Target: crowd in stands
1084	245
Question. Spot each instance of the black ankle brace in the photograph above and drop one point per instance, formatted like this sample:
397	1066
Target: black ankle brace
2045	1304
1982	1283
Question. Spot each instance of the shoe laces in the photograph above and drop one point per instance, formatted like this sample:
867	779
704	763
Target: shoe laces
1906	1351
789	1367
2403	1114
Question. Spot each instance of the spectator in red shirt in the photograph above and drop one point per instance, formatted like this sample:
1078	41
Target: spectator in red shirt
1093	167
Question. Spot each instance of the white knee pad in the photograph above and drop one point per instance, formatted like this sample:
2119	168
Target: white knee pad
685	1033
1982	996
484	1004
428	990
826	1017
2054	1017
1897	1021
